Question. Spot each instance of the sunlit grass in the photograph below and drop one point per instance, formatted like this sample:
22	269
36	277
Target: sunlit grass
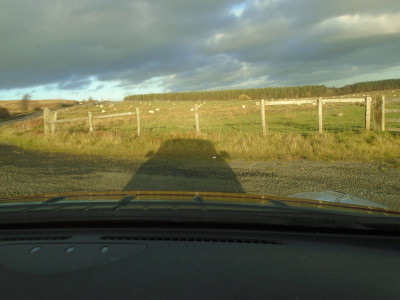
276	146
234	128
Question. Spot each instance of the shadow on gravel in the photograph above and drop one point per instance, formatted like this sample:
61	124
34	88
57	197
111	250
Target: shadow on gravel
186	165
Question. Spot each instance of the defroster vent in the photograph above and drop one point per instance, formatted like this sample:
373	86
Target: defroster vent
33	238
191	239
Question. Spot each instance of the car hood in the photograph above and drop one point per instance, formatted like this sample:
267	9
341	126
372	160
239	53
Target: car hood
338	197
193	209
329	200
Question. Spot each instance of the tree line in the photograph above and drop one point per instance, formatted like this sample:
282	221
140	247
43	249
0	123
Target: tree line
271	92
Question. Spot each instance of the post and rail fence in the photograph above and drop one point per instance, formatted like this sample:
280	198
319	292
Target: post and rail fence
385	111
50	124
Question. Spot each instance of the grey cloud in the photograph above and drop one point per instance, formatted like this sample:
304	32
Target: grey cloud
63	39
74	83
187	45
285	42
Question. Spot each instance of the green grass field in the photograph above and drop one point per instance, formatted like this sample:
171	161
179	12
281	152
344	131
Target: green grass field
234	127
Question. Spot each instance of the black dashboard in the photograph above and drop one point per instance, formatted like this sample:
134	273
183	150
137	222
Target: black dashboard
196	263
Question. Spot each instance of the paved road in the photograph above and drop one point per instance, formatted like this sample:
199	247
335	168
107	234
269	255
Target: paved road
30	172
21	118
36	114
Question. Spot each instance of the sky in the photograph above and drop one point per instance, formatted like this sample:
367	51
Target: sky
76	49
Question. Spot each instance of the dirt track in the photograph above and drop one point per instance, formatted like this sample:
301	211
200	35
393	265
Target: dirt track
27	172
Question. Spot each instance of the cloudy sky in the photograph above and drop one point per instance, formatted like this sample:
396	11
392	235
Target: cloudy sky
74	49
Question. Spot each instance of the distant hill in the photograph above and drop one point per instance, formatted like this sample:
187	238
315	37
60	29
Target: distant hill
273	92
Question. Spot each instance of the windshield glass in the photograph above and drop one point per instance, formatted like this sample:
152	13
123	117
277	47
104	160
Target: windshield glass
296	99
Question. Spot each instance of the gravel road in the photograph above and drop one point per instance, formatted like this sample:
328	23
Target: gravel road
29	172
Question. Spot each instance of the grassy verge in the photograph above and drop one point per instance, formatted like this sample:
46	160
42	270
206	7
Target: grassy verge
361	146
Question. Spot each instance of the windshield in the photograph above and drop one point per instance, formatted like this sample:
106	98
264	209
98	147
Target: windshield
294	99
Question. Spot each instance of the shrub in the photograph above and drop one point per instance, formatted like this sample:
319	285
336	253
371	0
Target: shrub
23	104
244	97
4	113
36	108
58	105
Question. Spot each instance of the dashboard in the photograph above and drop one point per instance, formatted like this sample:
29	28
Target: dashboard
196	263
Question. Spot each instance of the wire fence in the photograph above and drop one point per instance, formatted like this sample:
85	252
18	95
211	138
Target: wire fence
223	117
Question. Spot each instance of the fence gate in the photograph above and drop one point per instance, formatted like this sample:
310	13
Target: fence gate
390	115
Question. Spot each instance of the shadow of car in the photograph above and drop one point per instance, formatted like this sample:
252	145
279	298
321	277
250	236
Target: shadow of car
186	165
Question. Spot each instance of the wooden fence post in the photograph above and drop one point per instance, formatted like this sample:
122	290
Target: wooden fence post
264	127
368	113
138	120
320	124
383	119
46	120
90	121
196	118
53	125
